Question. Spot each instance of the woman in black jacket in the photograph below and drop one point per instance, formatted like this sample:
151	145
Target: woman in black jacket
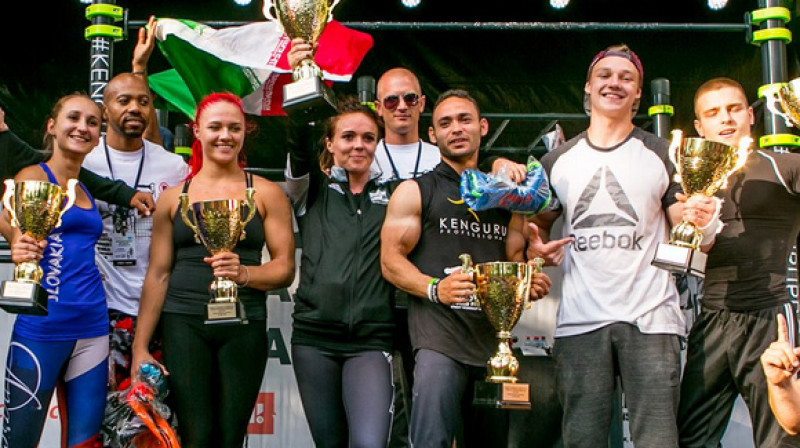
343	327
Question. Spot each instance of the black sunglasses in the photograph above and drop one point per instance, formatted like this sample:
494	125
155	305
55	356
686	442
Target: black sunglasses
392	101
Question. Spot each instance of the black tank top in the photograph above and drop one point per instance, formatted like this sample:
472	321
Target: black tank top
188	285
449	229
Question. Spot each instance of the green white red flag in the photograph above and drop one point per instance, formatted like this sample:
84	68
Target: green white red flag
248	60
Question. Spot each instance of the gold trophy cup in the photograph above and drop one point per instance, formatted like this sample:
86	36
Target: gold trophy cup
503	291
703	167
304	18
788	96
219	225
36	208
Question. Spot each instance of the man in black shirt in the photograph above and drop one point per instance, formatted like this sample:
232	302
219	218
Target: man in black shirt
745	282
427	227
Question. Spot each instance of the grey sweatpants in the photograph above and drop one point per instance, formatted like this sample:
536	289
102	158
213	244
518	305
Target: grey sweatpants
649	369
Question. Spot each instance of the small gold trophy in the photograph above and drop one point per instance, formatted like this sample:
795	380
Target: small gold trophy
703	167
304	18
787	96
219	225
36	208
503	290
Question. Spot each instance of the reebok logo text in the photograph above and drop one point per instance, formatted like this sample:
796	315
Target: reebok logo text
606	240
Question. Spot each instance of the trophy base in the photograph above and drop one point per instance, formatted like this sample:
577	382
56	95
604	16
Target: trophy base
512	396
23	298
309	98
218	313
684	260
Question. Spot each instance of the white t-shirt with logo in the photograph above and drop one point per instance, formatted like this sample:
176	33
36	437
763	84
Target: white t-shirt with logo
405	159
613	203
123	251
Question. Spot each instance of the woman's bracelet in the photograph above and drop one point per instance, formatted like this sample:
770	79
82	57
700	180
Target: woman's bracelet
246	276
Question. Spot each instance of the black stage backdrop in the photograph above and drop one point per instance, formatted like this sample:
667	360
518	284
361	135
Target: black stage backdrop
508	71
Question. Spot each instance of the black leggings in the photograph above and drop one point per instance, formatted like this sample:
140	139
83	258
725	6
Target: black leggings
215	376
347	398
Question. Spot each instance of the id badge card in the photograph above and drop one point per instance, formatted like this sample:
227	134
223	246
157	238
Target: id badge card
123	249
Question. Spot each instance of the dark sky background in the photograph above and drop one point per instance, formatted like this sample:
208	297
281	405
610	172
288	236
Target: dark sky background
45	55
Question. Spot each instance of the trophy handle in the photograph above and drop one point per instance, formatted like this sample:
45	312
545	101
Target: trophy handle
71	195
772	97
251	211
251	206
269	7
466	263
536	268
185	210
7	201
674	147
332	4
742	152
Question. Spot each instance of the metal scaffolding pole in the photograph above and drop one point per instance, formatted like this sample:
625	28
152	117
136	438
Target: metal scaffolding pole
662	110
101	34
517	26
772	37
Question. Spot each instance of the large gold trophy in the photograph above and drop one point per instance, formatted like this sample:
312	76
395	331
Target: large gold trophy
36	208
503	291
788	96
219	225
304	18
703	168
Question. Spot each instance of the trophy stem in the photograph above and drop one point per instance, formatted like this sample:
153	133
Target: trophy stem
28	272
224	308
307	68
503	366
686	234
223	290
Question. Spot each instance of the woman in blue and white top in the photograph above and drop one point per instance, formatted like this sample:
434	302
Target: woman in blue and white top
69	346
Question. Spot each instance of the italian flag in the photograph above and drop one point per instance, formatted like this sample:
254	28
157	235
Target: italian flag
248	60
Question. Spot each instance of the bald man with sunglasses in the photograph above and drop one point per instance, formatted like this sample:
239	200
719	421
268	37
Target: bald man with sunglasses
401	154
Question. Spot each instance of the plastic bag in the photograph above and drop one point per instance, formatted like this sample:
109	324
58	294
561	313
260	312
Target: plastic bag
137	417
483	191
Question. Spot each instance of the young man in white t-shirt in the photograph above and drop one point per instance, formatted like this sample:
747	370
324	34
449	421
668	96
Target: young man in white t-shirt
618	313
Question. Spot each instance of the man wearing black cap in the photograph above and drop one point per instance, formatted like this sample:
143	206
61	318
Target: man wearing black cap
619	315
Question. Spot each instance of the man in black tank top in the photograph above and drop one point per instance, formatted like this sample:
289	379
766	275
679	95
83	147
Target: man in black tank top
427	227
745	282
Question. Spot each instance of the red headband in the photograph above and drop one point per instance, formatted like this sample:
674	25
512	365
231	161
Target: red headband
629	55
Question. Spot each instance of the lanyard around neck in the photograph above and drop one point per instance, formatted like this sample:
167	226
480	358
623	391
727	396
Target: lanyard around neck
394	167
111	168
